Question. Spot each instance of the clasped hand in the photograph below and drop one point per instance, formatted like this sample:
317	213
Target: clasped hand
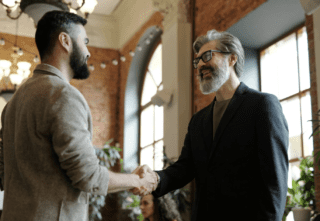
148	181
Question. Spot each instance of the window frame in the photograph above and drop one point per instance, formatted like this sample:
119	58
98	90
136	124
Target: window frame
300	93
143	107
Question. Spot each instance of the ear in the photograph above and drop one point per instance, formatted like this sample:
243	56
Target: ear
233	59
65	41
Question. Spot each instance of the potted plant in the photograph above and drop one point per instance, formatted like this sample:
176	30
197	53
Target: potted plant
303	192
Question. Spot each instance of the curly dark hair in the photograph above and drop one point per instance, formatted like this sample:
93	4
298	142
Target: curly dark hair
165	209
51	25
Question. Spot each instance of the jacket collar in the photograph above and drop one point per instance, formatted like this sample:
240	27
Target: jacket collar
49	69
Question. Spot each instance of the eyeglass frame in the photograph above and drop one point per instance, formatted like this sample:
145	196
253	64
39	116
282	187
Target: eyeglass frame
200	57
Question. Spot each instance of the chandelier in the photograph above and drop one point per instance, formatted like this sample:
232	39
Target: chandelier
37	8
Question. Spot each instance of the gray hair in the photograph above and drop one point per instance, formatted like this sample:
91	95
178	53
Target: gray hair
226	42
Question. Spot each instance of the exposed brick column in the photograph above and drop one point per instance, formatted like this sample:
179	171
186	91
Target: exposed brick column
314	101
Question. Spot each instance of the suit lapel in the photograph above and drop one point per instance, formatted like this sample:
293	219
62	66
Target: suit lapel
235	102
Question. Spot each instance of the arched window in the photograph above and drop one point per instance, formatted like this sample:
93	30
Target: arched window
151	116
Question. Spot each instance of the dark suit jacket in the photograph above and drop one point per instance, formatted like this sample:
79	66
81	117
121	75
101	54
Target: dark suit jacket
242	173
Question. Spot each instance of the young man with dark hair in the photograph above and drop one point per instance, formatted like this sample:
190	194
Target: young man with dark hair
47	161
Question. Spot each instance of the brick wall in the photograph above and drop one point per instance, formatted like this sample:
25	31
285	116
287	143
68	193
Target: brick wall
314	100
101	91
219	15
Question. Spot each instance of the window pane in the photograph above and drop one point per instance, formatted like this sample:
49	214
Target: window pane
149	90
158	123
146	156
294	172
279	68
303	59
159	155
291	110
155	66
147	126
306	124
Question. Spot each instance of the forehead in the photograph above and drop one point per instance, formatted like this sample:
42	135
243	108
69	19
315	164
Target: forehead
211	45
147	198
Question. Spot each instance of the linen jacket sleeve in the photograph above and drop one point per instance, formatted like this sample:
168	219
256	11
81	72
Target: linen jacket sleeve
273	139
180	173
69	117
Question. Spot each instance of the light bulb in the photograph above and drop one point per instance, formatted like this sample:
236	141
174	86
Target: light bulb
123	58
20	52
147	41
2	42
36	59
131	53
103	65
114	62
139	48
91	67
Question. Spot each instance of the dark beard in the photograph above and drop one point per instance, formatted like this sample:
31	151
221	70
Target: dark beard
77	63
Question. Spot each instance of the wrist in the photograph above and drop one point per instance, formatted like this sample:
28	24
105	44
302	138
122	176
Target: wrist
136	181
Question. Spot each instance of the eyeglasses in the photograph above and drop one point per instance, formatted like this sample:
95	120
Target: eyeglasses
206	56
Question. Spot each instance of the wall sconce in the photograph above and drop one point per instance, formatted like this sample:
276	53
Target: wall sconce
114	62
123	58
162	97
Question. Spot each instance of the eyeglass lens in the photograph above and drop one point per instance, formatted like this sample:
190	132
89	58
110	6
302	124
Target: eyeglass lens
205	58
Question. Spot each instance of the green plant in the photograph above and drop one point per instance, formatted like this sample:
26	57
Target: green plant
302	195
108	157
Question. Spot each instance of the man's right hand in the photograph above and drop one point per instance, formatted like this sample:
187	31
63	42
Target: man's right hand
148	180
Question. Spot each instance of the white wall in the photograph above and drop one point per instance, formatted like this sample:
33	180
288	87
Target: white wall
131	15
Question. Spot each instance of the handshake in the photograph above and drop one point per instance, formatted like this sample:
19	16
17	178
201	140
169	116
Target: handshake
147	182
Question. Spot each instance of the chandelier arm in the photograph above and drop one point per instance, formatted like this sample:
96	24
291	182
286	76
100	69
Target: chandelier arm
83	2
14	18
7	6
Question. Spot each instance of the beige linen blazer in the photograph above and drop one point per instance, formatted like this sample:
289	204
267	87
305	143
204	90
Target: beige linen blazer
47	162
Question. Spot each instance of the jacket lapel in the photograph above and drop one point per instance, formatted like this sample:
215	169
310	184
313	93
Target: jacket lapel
235	102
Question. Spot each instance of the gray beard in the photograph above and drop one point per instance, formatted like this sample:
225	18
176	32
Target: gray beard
208	86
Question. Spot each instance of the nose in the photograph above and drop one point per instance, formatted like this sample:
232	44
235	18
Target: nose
200	64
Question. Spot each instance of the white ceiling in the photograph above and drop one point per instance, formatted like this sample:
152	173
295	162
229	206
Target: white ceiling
106	7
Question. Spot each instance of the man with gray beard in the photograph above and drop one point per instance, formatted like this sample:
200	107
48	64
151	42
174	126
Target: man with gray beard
236	148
